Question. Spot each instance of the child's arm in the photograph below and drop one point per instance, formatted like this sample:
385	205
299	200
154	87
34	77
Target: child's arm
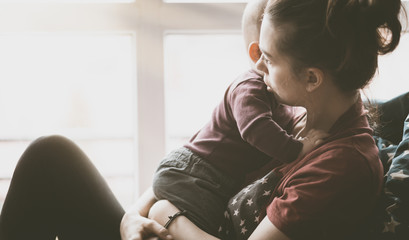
313	138
252	108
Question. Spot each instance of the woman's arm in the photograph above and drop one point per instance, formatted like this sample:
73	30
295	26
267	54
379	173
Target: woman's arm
181	227
267	231
136	226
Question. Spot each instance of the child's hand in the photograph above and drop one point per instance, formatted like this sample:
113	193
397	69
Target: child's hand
313	138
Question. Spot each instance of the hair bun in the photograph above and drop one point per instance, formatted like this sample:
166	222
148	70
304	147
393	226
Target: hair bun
384	15
366	16
379	11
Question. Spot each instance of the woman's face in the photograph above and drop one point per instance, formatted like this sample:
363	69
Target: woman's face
278	74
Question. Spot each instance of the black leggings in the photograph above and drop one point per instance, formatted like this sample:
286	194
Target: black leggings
57	191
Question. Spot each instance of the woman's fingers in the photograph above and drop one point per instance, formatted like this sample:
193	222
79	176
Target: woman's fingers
158	230
136	227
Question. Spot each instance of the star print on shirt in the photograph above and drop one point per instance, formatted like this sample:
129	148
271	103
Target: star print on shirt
263	180
248	207
390	226
226	214
246	190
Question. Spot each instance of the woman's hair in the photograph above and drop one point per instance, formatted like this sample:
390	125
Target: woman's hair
342	37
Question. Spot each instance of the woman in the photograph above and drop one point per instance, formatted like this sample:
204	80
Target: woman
316	54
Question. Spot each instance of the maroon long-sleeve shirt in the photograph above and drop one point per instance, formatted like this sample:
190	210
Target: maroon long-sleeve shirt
247	129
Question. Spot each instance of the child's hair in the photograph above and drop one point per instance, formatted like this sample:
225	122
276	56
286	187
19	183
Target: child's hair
342	37
251	20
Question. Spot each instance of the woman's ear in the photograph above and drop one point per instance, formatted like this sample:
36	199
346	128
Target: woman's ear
314	79
254	52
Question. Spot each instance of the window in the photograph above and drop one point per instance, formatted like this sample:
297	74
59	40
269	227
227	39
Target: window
198	67
77	85
205	1
145	56
392	77
66	1
94	72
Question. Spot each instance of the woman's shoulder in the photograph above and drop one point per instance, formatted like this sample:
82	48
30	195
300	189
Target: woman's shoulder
358	149
354	157
336	180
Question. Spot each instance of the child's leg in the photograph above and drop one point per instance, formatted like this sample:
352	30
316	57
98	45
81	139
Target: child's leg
190	183
56	191
180	228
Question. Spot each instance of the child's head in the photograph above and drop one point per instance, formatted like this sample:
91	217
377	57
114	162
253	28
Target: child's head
251	23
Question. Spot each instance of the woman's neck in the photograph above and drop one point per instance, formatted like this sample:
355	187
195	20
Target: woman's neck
324	111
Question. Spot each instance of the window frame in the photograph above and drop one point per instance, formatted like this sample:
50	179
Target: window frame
148	21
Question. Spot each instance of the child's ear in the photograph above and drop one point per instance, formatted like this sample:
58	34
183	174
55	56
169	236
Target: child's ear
254	52
314	78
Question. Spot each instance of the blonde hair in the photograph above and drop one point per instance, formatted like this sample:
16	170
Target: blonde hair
251	20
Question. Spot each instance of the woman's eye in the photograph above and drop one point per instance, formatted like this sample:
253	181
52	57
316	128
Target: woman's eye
266	61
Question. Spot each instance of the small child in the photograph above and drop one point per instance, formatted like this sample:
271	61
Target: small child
243	135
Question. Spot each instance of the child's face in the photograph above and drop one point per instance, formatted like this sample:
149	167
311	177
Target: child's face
278	74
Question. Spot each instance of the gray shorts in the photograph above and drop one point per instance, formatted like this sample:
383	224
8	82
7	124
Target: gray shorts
192	184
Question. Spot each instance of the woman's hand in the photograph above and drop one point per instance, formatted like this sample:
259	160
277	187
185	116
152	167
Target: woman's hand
136	227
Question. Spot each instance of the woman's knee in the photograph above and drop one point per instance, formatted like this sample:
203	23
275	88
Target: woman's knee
51	141
49	149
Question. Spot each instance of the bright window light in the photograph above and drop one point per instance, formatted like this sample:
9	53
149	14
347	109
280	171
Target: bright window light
66	1
392	78
205	1
198	69
68	84
78	85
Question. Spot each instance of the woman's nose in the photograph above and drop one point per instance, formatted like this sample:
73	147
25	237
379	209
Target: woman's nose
260	65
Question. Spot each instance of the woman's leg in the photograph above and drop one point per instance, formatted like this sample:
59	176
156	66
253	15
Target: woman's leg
56	191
